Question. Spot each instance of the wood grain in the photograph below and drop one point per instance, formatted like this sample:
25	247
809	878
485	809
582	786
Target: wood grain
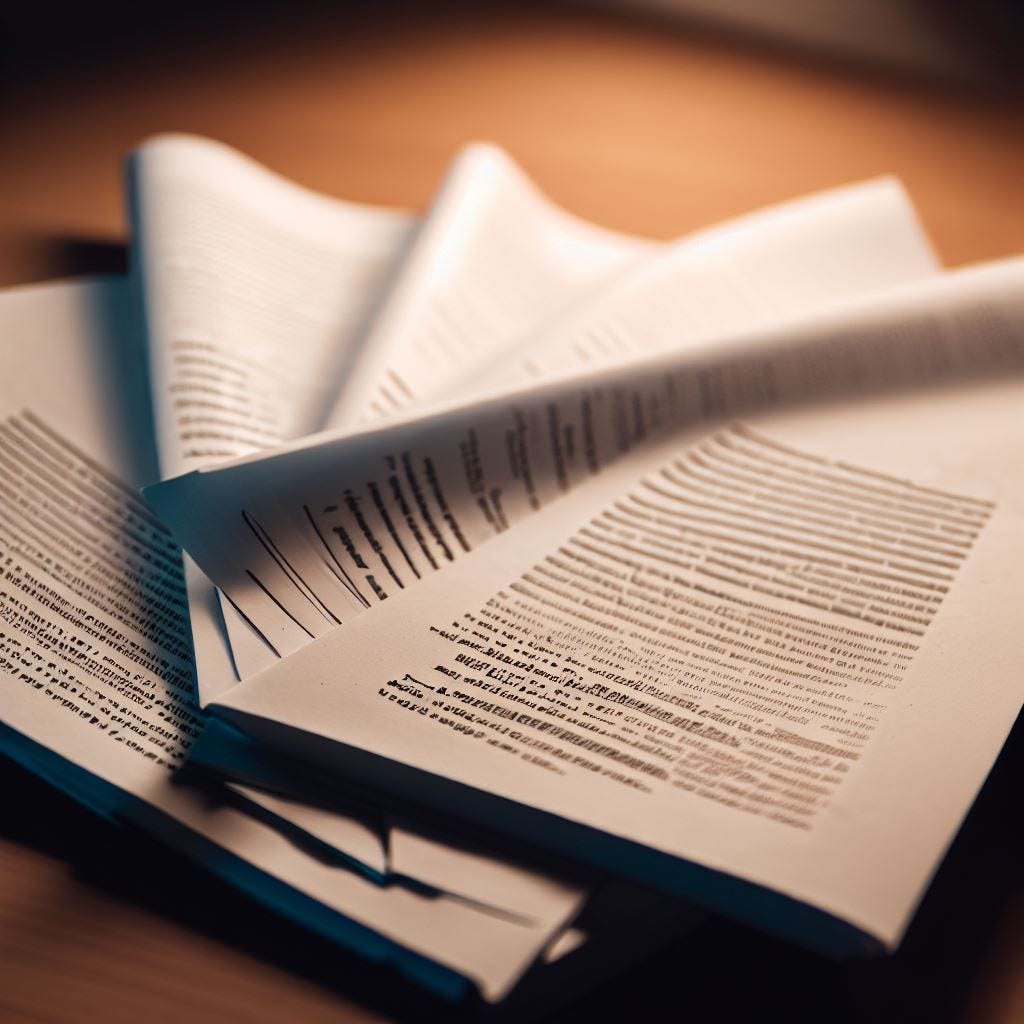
637	125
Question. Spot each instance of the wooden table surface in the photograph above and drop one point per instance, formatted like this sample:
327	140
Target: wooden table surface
636	124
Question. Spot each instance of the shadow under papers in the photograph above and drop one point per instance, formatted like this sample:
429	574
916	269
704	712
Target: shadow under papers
124	361
954	966
43	257
129	868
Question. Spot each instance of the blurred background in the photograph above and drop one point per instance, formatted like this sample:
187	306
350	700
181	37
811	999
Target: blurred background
652	117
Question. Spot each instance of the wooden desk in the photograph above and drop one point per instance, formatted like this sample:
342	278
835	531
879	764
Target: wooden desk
635	125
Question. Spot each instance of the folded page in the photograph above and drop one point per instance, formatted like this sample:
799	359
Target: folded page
313	535
255	293
797	258
494	258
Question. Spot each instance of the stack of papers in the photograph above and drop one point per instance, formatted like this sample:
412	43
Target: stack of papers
533	571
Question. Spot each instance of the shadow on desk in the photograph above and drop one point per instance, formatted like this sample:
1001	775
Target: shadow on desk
963	960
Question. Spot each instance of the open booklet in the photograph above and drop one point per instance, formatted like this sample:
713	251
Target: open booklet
272	311
96	694
730	659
